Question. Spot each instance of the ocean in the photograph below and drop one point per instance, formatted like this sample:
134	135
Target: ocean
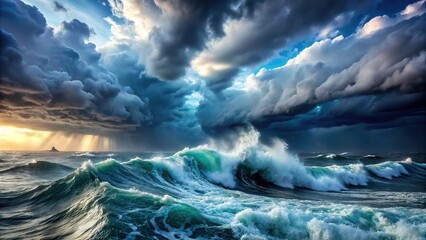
252	191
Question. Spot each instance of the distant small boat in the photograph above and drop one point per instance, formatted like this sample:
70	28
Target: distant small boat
54	150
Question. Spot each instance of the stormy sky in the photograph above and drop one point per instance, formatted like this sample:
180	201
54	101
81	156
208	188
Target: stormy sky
323	75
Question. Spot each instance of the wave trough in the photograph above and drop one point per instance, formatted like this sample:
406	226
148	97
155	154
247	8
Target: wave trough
253	191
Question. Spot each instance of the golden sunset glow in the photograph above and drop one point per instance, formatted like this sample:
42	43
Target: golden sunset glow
16	138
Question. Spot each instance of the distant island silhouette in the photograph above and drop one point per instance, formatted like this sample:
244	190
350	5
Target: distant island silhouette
54	150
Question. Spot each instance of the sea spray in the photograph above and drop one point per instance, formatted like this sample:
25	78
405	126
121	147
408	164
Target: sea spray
388	169
273	162
252	191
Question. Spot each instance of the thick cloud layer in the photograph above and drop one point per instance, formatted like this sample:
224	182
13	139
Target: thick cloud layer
174	122
272	26
218	37
173	30
369	80
385	68
54	76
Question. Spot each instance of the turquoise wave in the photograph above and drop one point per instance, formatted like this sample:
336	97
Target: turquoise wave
208	194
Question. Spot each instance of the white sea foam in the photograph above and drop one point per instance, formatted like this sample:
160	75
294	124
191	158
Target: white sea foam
85	154
388	169
408	160
276	165
332	221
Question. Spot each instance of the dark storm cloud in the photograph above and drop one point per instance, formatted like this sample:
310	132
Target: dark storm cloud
180	28
56	78
372	80
59	7
164	98
75	34
186	28
377	111
177	30
24	21
272	26
388	64
173	124
46	75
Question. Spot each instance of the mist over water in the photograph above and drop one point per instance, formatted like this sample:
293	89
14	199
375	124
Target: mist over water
252	191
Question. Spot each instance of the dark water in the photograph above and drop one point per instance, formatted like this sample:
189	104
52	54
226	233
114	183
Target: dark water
252	192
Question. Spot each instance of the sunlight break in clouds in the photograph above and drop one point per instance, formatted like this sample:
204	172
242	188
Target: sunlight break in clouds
15	138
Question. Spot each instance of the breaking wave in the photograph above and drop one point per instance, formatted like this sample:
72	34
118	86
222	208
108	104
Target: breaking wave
204	192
